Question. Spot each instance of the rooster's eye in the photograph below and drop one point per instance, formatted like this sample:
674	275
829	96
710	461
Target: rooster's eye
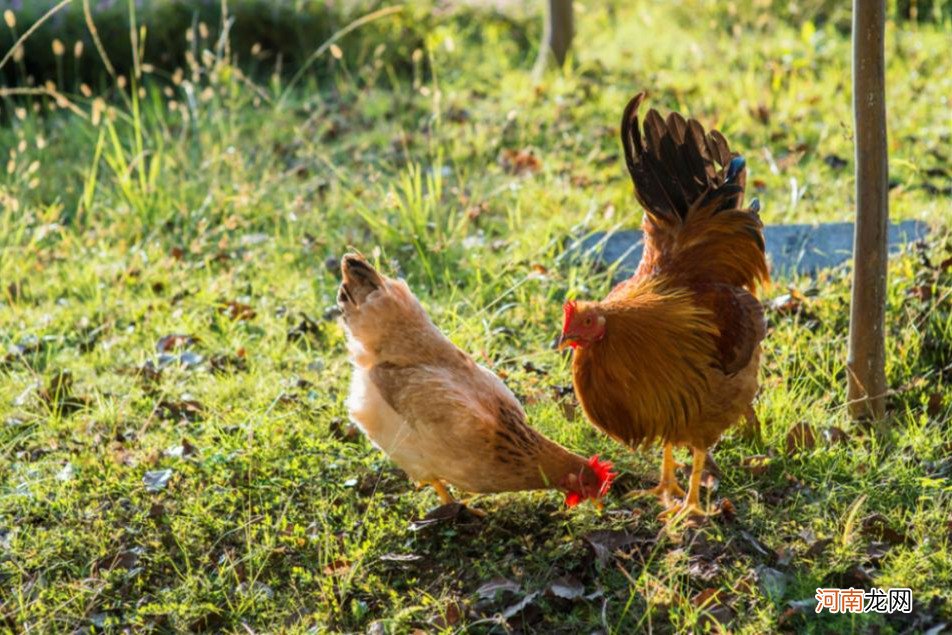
588	321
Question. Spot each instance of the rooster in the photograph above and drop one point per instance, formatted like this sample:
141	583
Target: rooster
672	353
436	413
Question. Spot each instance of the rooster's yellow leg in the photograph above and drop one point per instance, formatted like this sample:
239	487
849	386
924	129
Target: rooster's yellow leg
691	506
668	484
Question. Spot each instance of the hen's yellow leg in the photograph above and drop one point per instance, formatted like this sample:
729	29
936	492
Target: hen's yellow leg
445	497
668	484
692	504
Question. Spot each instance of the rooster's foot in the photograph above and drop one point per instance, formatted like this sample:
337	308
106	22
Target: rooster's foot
685	510
663	490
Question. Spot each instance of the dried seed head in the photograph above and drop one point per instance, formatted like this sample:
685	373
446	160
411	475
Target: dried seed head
10	18
78	49
58	49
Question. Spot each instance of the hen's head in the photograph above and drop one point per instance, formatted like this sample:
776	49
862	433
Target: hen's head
583	324
593	480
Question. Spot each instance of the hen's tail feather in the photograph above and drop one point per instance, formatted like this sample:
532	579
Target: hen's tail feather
692	187
360	279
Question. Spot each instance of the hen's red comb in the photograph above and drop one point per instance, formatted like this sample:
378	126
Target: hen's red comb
568	310
603	470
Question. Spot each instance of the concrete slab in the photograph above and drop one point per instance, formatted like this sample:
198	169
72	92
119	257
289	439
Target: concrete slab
791	249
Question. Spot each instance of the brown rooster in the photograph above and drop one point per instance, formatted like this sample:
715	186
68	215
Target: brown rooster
435	412
672	353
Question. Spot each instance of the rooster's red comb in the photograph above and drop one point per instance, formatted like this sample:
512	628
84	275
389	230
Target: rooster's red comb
603	470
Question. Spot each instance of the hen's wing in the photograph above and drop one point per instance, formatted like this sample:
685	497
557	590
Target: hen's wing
462	406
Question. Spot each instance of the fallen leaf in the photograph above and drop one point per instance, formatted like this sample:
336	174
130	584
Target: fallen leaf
400	557
156	481
519	162
876	551
342	430
455	512
171	342
223	363
772	583
855	576
800	437
817	548
450	616
727	510
756	464
877	526
934	406
489	590
836	162
340	566
835	435
236	311
922	292
606	542
187	410
511	611
303	329
567	587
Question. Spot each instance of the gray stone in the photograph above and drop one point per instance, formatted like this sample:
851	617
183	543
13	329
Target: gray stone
791	249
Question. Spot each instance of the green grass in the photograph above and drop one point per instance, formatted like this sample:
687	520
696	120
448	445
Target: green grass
274	518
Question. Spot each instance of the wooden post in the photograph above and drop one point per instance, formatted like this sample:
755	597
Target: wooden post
557	34
867	354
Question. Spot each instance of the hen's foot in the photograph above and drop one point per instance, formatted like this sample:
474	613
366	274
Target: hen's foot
475	511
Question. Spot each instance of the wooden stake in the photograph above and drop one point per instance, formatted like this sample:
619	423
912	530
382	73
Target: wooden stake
867	354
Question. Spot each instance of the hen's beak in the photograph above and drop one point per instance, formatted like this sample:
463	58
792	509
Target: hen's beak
564	342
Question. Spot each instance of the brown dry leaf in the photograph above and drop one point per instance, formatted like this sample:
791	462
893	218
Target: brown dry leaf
835	435
235	310
727	510
756	464
877	526
450	616
307	327
519	162
186	410
171	342
817	548
934	406
340	566
923	292
800	437
787	304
